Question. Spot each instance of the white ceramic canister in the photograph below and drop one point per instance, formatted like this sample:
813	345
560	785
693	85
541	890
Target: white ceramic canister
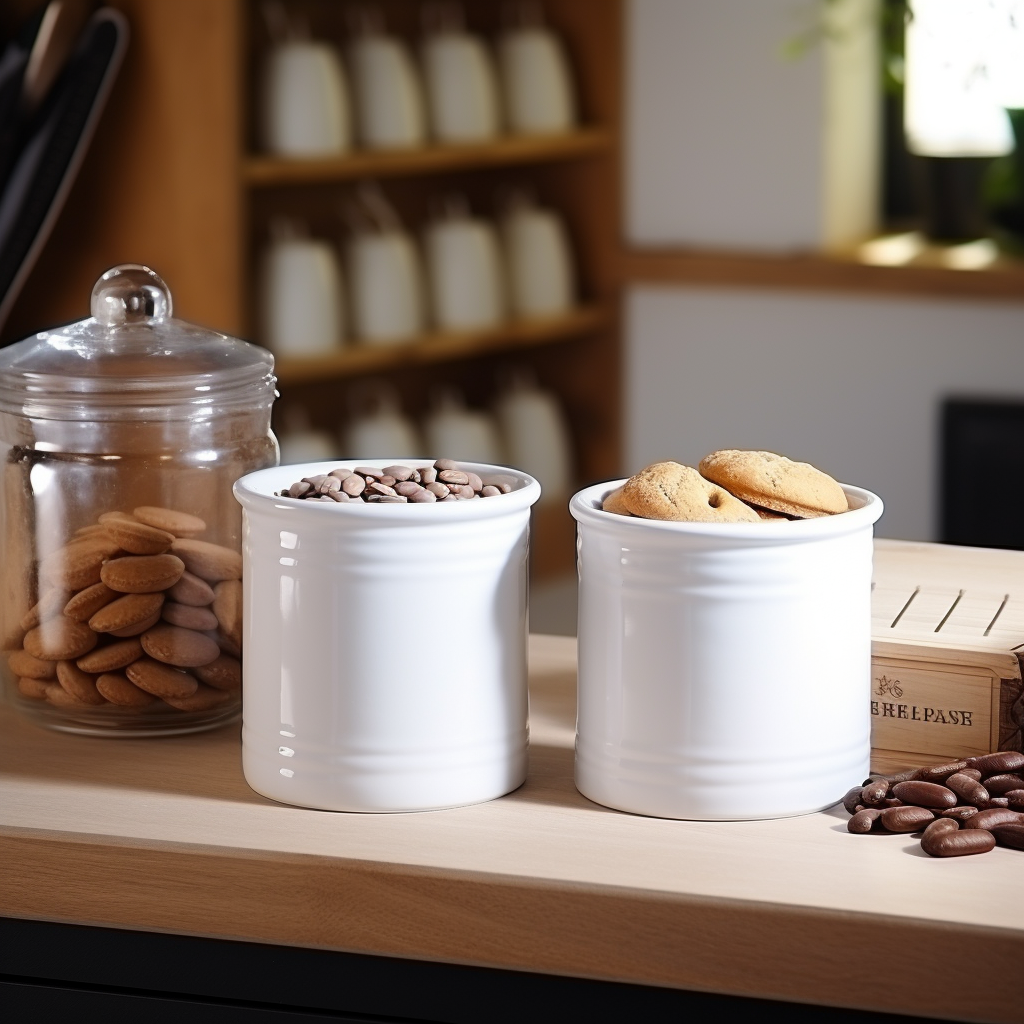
385	645
724	668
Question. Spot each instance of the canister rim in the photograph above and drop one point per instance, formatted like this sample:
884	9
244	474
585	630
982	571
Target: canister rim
255	491
866	508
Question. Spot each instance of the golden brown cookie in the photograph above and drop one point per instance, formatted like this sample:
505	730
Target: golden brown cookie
613	503
775	482
678	493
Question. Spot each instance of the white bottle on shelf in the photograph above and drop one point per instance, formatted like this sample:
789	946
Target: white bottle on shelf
390	110
381	432
461	81
302	296
305	109
538	259
454	431
385	273
465	270
536	436
536	80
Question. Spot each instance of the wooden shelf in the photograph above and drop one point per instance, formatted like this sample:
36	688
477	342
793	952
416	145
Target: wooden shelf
440	347
1004	279
266	171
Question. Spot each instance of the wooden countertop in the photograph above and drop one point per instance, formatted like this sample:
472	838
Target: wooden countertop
164	835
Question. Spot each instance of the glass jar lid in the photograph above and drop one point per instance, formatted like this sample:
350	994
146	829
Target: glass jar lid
131	353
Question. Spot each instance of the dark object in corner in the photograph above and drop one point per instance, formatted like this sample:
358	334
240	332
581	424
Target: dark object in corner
982	452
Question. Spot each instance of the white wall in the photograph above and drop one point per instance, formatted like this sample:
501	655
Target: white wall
849	383
729	141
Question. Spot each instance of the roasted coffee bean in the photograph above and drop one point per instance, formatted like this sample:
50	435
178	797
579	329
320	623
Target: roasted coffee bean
1009	835
863	821
299	488
315	481
995	816
489	491
369	472
874	793
971	773
453	476
906	819
445	464
939	772
967	789
852	800
438	489
960	814
924	794
340	496
427	475
353	485
939	827
1015	800
399	472
998	763
994	802
388	481
387	499
329	485
423	496
1000	785
407	488
961	843
376	487
341	473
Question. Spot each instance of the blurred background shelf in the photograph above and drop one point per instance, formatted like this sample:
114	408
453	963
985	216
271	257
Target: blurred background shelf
965	271
442	347
267	171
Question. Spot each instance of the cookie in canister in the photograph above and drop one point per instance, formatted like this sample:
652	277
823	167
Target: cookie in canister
775	482
676	493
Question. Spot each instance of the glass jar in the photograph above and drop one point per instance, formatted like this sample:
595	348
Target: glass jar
122	435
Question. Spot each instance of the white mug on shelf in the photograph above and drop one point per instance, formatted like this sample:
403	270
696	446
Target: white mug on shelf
389	94
466	274
538	258
305	101
456	432
385	274
462	87
303	308
536	436
382	432
536	81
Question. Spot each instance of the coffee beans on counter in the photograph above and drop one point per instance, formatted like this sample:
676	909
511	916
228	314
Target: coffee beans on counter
135	611
442	481
964	807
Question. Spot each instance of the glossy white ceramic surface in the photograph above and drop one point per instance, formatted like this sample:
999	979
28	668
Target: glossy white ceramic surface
385	664
724	669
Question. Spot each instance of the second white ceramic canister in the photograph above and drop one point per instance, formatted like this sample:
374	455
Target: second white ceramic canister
385	645
724	668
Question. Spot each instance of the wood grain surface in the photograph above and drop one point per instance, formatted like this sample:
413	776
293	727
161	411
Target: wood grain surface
164	835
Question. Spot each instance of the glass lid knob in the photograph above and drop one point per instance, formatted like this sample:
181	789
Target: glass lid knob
130	294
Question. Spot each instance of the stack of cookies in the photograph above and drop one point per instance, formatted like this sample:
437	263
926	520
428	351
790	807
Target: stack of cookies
729	486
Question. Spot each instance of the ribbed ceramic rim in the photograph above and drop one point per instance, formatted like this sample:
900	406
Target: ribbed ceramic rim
585	506
255	491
